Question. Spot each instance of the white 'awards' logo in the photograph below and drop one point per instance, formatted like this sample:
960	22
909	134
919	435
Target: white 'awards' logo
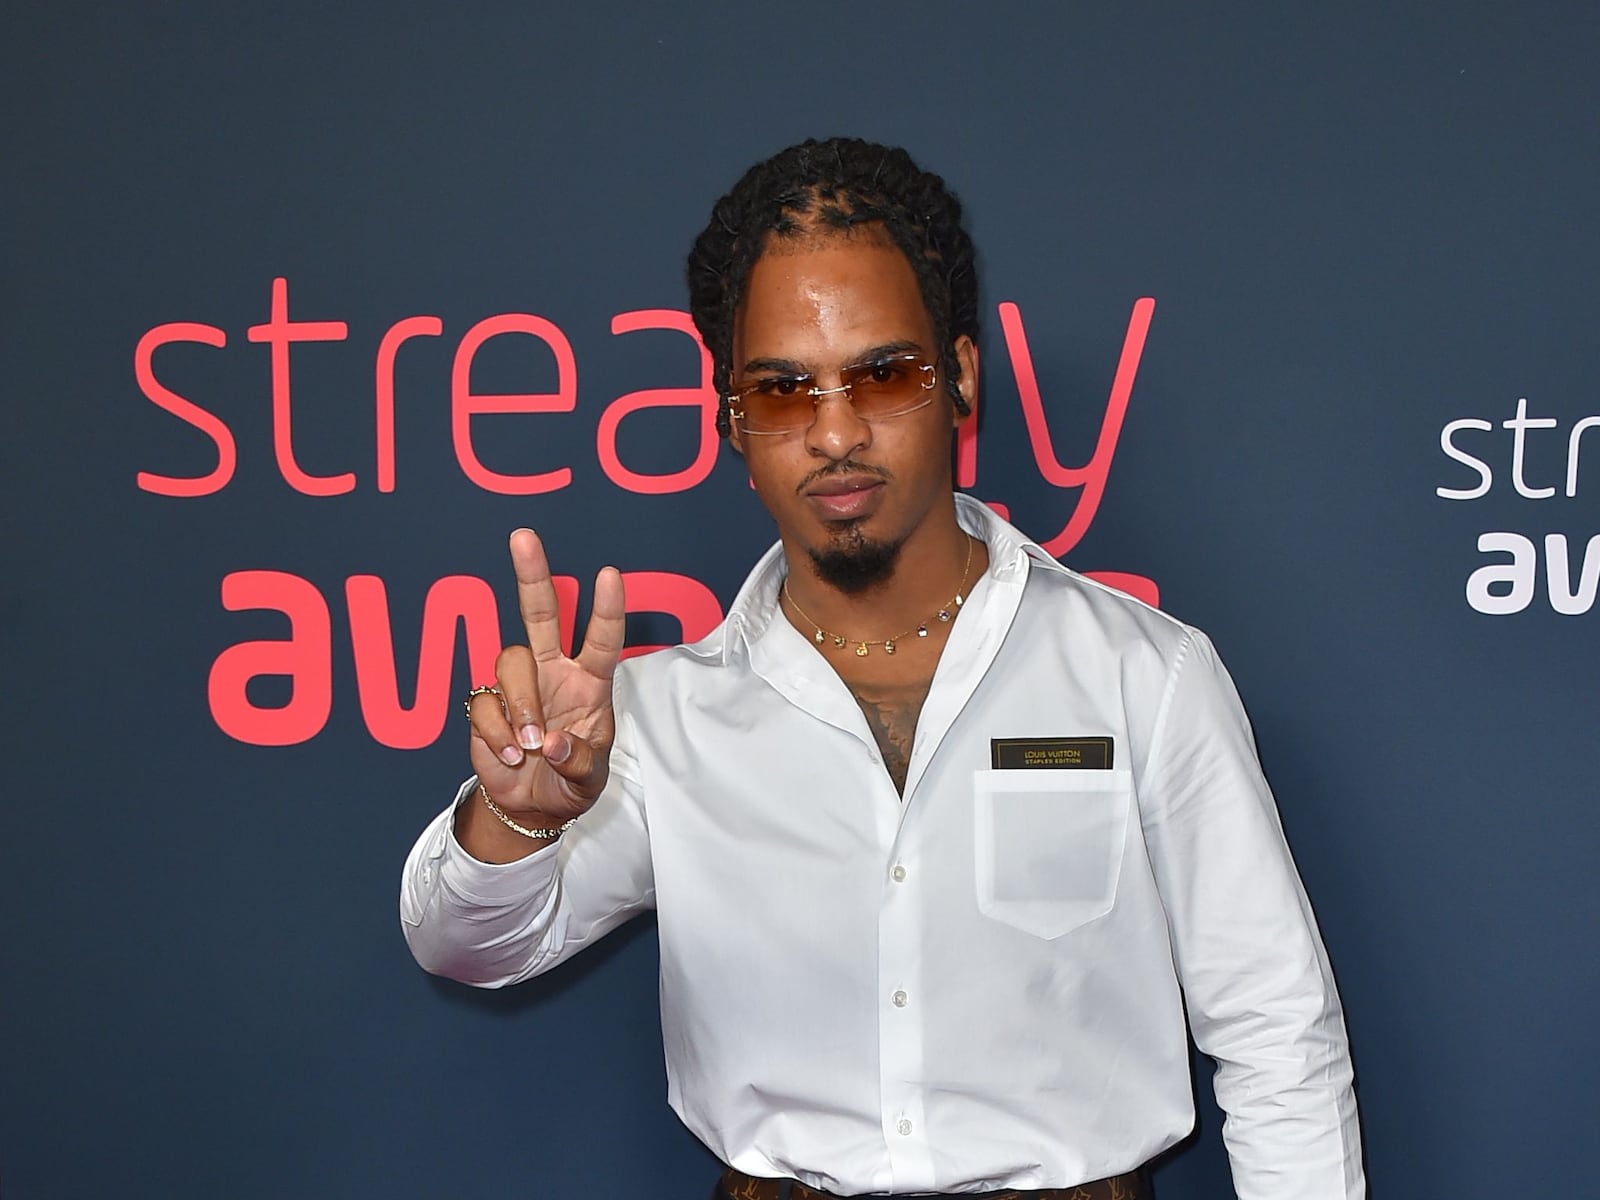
1502	586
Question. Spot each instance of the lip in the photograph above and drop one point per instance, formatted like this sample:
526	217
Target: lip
842	497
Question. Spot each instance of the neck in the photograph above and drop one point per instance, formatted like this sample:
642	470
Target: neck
935	564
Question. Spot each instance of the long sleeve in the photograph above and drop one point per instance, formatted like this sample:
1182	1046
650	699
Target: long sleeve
491	925
1257	982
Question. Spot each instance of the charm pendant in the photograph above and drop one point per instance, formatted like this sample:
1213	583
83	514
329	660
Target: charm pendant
822	637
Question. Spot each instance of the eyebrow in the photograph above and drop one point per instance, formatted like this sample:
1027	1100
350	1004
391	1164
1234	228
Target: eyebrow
790	366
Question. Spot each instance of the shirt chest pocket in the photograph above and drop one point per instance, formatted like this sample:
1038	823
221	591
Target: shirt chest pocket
1048	846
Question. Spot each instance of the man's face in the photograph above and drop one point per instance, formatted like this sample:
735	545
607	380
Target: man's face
845	490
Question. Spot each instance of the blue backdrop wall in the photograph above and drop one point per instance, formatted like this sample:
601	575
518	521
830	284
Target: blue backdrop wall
1361	448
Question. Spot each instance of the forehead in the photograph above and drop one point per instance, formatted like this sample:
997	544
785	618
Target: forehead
823	300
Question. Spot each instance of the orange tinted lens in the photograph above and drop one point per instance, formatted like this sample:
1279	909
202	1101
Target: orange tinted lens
778	404
888	385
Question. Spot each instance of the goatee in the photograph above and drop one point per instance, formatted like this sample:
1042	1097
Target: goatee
853	564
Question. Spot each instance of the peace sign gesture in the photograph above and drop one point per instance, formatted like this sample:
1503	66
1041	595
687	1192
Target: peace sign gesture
542	747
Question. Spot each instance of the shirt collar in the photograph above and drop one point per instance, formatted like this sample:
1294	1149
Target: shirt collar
1011	555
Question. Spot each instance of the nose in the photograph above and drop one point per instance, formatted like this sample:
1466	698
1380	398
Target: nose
836	430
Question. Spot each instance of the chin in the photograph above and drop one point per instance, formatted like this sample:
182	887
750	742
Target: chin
851	561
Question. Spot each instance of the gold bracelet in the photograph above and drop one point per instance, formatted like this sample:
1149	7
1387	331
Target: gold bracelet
538	835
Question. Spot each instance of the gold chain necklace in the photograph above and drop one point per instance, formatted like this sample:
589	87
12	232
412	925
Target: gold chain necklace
947	613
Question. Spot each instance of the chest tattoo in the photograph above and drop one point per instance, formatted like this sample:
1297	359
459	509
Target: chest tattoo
892	716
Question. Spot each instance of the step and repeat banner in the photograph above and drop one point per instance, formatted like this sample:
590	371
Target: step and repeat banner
1289	329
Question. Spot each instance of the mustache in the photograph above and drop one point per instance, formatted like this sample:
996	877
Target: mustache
848	466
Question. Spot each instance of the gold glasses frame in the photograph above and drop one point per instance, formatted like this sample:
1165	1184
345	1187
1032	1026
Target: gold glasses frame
736	398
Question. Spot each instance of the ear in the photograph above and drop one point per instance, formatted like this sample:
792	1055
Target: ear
967	385
736	437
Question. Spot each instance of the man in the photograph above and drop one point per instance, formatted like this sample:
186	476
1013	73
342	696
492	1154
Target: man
935	829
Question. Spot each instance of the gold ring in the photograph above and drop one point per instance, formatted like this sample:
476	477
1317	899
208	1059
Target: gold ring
481	691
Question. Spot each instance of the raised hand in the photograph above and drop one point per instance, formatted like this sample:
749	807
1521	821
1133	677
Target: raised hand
542	747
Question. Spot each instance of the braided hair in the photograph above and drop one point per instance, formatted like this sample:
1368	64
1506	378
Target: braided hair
836	185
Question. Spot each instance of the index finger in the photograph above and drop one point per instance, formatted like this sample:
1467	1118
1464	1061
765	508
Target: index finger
536	595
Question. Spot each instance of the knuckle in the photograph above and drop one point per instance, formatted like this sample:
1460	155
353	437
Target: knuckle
510	656
488	717
535	604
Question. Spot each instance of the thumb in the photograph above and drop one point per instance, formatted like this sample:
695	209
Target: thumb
575	760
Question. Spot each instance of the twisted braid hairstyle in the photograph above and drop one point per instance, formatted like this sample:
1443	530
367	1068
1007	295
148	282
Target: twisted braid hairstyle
834	186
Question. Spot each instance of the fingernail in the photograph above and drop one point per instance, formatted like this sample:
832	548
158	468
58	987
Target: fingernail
560	752
511	756
530	736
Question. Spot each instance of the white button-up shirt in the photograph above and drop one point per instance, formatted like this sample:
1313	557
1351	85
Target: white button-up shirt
977	986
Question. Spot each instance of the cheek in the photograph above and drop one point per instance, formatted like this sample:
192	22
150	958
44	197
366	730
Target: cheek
924	453
772	473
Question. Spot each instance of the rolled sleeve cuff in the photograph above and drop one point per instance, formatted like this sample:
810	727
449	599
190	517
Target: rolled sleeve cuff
490	884
440	865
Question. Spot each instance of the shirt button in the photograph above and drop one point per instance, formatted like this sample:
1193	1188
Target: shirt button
903	1127
898	874
899	999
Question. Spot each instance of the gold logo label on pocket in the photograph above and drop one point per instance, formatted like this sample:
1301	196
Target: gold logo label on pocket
1051	754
